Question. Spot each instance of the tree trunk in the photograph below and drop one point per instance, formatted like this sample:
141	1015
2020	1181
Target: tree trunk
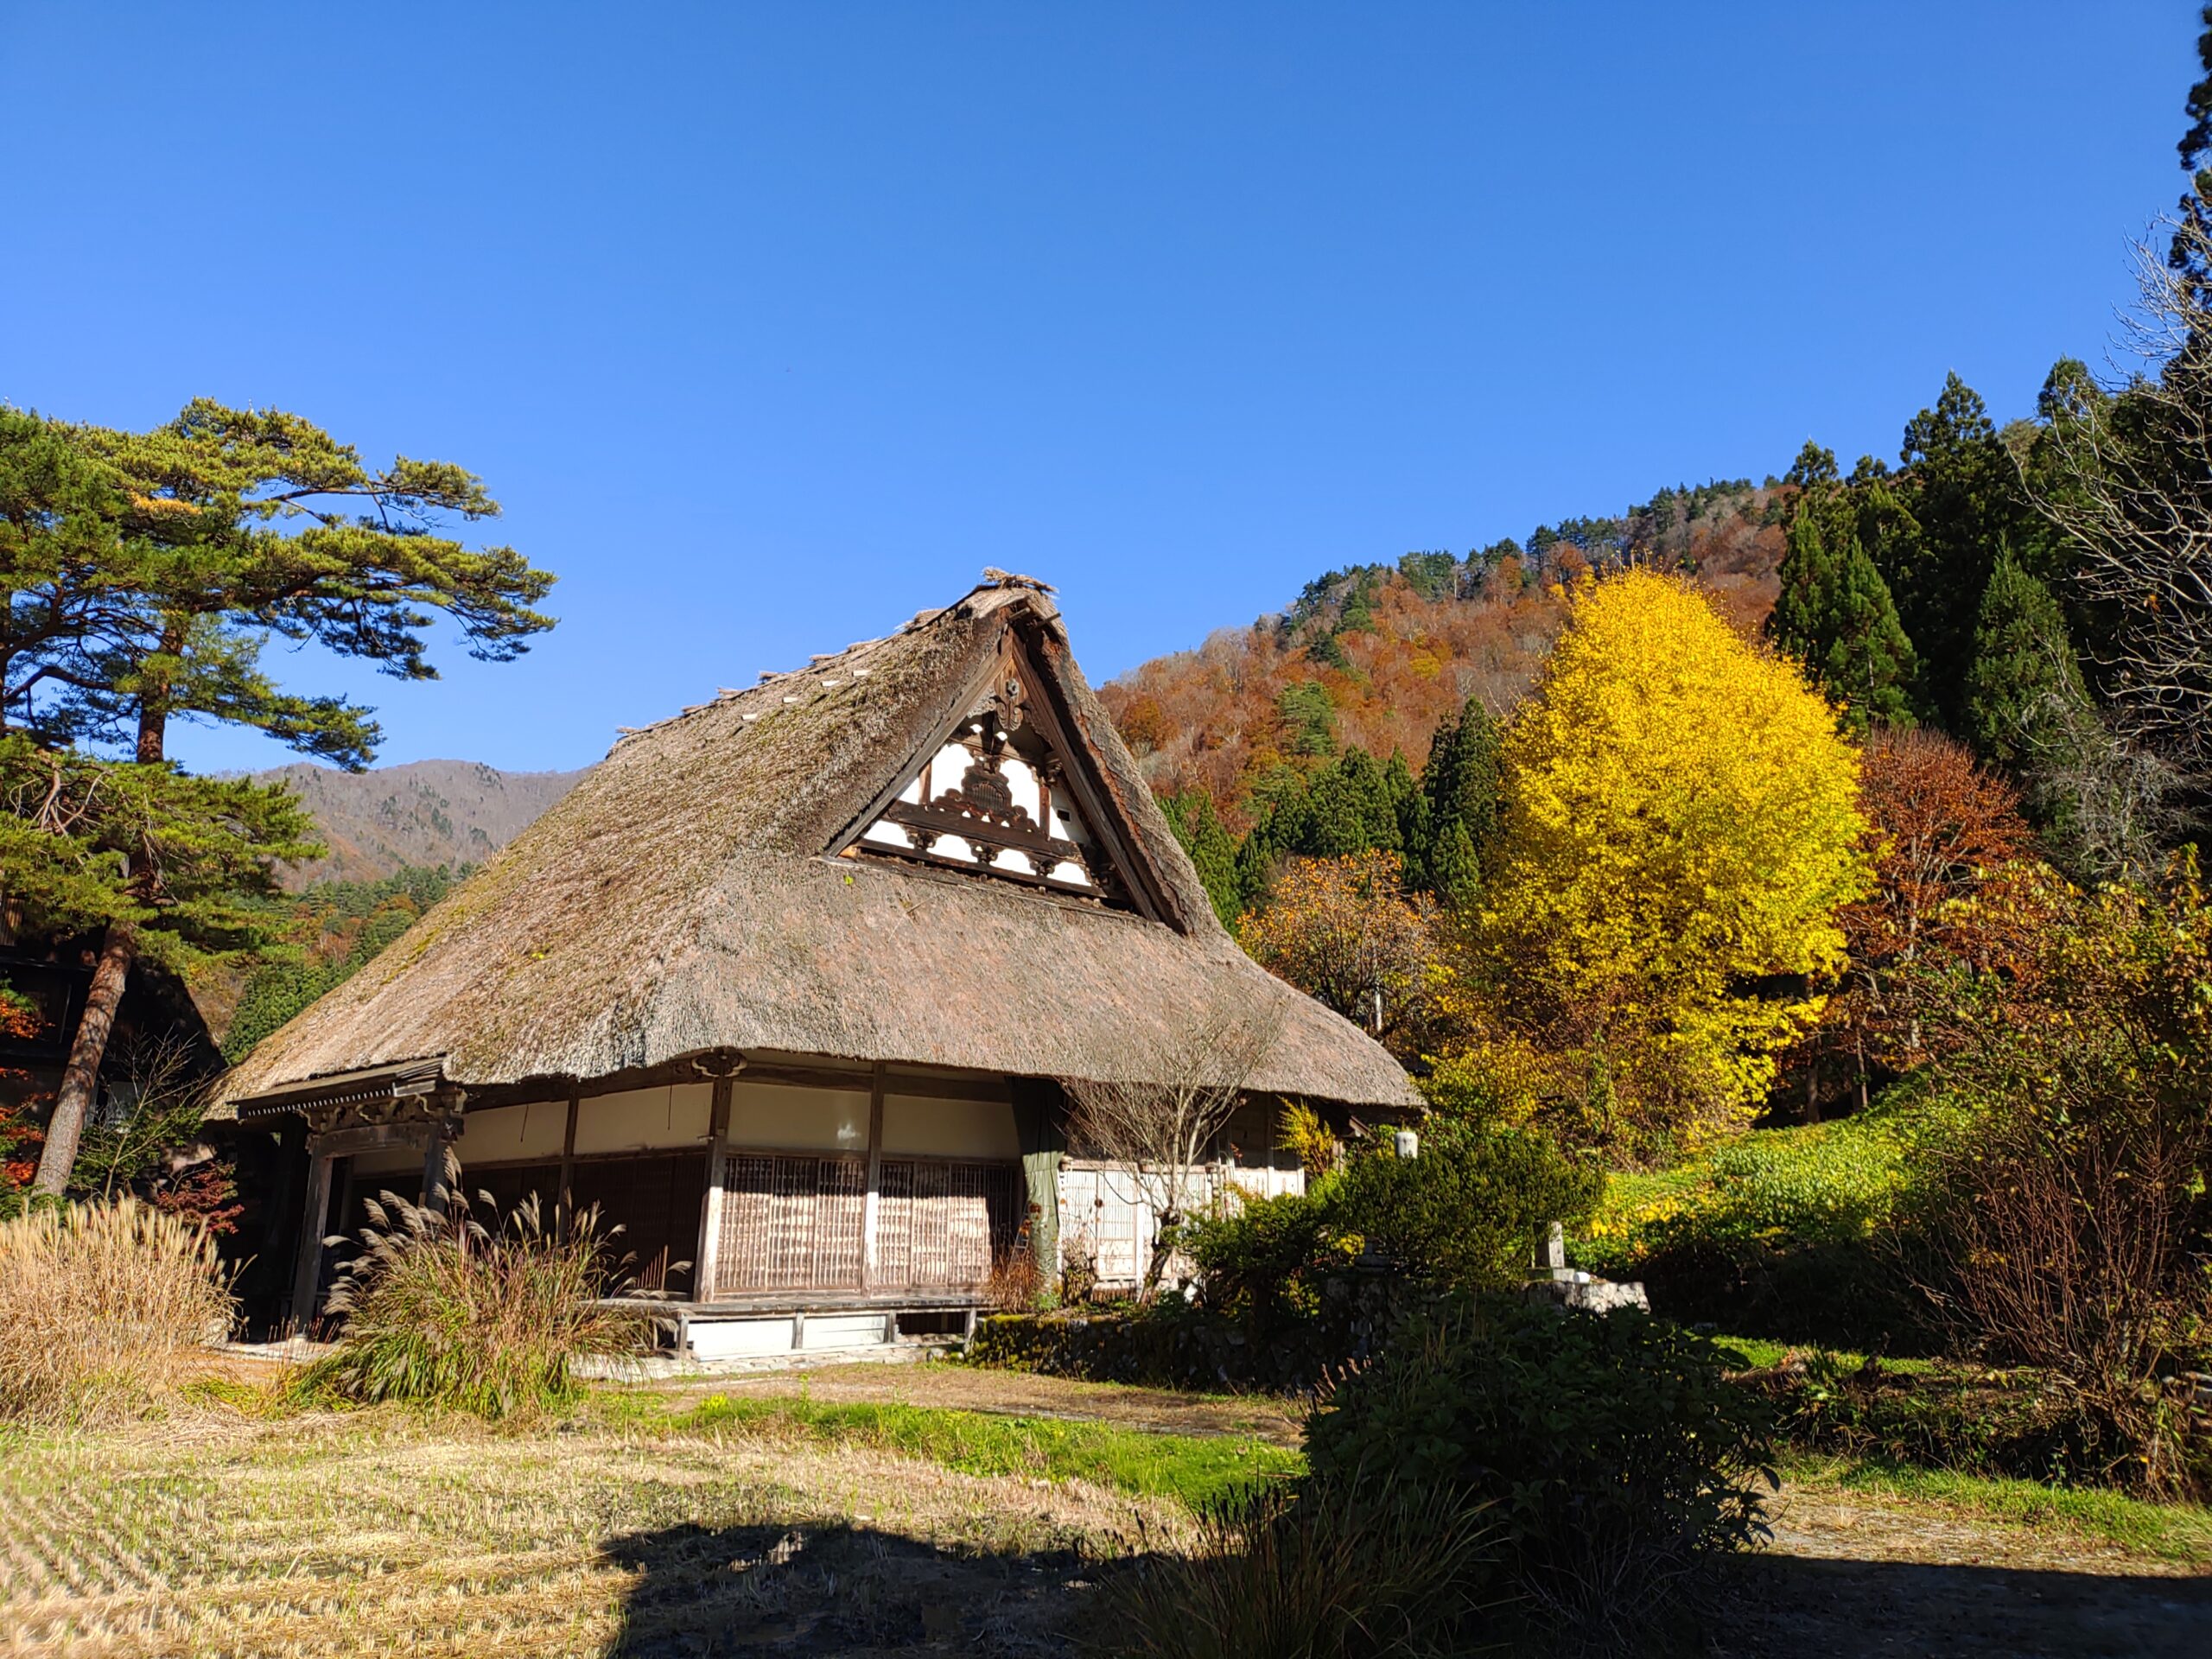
153	702
80	1078
1164	1222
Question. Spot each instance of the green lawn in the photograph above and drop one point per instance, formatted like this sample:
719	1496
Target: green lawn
1191	1469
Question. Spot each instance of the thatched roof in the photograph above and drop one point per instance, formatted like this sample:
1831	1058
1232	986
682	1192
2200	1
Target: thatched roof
680	902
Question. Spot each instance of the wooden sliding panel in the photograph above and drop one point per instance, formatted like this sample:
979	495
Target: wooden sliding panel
941	1222
790	1221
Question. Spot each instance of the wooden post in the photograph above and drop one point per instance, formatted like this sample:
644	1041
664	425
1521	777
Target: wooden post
567	1205
706	1262
1035	1107
307	1271
444	1130
874	1174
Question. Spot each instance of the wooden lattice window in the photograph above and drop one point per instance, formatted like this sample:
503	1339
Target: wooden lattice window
797	1222
791	1221
939	1224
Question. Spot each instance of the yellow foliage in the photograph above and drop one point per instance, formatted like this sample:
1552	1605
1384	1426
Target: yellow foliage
1680	820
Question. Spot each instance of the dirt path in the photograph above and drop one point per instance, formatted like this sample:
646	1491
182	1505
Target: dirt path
1848	1573
1865	1576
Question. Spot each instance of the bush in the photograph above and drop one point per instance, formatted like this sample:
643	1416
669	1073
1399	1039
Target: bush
1462	1214
445	1310
98	1303
1465	1212
1281	1573
1171	1345
1946	1415
1612	1448
2073	1219
1265	1259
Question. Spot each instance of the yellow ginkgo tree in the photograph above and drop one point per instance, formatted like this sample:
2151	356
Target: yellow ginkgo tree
1680	830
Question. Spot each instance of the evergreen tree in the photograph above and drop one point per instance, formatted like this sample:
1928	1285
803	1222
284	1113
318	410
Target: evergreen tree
2024	692
1212	847
1834	614
1415	831
1309	719
1460	782
1962	490
146	580
1349	811
2195	150
1455	872
1255	859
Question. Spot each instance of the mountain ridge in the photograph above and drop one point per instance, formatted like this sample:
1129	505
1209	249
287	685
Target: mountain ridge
419	814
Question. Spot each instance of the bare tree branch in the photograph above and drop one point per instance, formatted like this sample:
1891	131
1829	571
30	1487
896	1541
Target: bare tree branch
1167	1128
2133	490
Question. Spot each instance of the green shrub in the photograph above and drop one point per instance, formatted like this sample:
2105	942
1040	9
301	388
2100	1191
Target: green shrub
1462	1213
1612	1448
1466	1212
1947	1414
444	1310
1284	1573
1265	1258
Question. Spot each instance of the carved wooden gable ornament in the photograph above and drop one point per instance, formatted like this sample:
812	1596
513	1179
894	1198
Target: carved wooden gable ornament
1003	796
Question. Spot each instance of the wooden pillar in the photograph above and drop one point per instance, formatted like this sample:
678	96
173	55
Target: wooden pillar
444	1130
565	1204
707	1264
307	1270
1036	1120
875	1175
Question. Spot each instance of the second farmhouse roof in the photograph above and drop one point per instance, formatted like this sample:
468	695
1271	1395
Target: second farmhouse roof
689	897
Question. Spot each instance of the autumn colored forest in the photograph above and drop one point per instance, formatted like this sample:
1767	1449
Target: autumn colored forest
1377	656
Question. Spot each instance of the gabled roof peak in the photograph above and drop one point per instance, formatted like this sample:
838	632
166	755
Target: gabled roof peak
685	897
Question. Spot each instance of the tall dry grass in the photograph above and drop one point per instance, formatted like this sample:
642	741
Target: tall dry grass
98	1304
1322	1573
442	1309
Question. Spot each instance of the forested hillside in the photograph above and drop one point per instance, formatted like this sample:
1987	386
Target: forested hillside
317	940
425	815
1376	656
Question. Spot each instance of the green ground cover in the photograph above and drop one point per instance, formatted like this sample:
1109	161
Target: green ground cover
2175	1532
1192	1469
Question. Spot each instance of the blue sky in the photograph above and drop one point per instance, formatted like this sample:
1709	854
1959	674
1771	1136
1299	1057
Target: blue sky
772	325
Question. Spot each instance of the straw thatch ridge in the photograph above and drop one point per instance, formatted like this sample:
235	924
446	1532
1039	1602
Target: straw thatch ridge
678	902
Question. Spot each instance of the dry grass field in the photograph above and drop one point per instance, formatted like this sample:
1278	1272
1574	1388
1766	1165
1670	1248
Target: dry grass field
836	1514
388	1532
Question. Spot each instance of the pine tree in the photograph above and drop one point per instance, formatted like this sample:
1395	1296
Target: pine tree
1836	614
146	588
1460	782
1456	871
2024	690
1212	847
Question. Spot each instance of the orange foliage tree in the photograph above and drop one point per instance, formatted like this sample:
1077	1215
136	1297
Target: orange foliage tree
1344	931
1211	721
1942	828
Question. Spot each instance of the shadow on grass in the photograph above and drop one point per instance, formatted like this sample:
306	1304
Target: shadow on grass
1797	1606
838	1588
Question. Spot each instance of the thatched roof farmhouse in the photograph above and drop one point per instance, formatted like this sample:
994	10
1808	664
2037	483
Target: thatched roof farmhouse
801	969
